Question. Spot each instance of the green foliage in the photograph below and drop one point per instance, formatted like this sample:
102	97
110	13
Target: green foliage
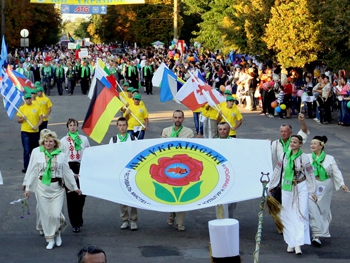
209	33
82	30
334	32
42	21
244	26
292	34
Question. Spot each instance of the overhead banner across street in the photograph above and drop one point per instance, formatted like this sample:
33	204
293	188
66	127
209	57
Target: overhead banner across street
176	174
89	2
84	9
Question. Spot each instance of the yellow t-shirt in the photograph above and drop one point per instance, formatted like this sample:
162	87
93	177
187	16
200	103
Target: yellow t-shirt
123	95
32	113
140	113
211	113
45	104
232	115
130	101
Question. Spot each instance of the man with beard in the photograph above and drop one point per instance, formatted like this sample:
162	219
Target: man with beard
177	131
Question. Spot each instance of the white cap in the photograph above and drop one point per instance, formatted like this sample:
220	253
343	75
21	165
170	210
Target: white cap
224	237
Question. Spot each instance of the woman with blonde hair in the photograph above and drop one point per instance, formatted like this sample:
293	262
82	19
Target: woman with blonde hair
47	174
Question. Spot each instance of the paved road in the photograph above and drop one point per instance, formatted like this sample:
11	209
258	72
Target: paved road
155	241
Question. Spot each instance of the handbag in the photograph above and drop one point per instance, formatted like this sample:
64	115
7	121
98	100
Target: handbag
277	191
257	93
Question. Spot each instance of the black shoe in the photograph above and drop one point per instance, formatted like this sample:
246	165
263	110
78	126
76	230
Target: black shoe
24	171
76	229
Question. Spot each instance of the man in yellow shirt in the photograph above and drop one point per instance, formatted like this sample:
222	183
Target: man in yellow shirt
209	124
232	115
137	114
46	107
30	120
124	94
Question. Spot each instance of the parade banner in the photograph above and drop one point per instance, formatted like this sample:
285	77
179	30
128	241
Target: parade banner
89	2
83	9
72	46
83	54
174	174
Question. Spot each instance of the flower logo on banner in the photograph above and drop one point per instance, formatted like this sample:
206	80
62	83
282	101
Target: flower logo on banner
177	171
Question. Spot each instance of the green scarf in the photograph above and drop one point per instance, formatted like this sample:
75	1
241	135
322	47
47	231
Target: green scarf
129	70
285	145
319	170
175	134
123	138
289	170
145	70
228	137
59	73
77	141
113	70
83	71
46	179
47	70
70	73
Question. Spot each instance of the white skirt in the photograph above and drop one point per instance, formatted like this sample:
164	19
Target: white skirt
50	203
320	212
295	215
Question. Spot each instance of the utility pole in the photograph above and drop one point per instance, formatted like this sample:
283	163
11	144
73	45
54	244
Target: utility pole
176	13
2	17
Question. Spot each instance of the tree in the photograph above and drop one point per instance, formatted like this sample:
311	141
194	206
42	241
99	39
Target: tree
334	32
244	25
293	34
94	28
42	21
209	33
143	24
82	29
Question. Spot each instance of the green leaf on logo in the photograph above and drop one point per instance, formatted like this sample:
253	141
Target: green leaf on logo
191	192
177	192
164	194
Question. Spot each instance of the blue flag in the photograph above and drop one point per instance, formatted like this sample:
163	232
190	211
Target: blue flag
11	95
170	84
4	53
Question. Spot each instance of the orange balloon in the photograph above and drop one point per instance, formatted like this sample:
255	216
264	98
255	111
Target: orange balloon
274	104
222	88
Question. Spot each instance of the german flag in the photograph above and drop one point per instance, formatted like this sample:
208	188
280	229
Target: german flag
103	107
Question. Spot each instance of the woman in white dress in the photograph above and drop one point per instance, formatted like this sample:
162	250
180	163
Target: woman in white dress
298	184
47	173
328	177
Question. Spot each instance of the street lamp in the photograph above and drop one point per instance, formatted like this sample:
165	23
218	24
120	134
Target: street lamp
24	40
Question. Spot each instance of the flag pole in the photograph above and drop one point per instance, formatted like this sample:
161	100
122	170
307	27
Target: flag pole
132	114
121	89
14	106
209	99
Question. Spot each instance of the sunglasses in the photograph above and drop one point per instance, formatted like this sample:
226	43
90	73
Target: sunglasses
28	98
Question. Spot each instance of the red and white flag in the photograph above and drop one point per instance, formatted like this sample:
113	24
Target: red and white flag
181	46
195	93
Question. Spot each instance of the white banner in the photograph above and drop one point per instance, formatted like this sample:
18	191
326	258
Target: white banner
72	46
308	98
83	54
176	174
